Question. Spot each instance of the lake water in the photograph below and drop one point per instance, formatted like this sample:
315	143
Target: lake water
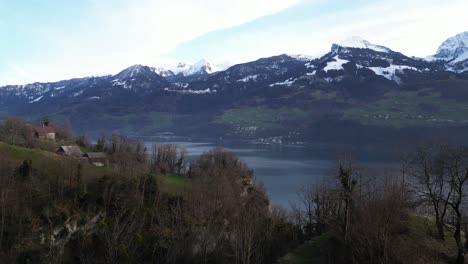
283	169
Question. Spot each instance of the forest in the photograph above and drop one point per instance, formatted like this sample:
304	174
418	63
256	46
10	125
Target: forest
154	205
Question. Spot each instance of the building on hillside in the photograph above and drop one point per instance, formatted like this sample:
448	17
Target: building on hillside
98	159
44	132
70	151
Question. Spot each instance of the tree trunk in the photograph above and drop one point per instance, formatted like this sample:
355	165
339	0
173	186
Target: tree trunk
466	236
346	222
460	248
457	236
3	218
440	228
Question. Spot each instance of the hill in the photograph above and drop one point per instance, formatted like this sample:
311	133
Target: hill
58	209
369	90
416	245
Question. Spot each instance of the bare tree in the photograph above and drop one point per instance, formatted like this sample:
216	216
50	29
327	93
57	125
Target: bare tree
456	163
307	208
429	182
377	220
347	180
15	130
168	158
6	190
181	162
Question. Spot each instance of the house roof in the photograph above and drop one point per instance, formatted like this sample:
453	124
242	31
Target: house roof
96	155
71	150
43	130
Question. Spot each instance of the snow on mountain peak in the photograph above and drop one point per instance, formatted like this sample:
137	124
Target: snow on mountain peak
453	50
163	71
201	67
360	43
131	71
301	57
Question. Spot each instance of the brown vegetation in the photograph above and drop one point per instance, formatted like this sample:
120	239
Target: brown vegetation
56	209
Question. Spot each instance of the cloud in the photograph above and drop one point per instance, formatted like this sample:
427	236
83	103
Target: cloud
115	34
109	35
413	27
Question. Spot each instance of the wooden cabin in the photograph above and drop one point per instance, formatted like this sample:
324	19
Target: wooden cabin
44	132
70	151
98	159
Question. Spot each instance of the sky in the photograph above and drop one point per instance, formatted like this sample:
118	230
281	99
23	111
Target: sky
51	40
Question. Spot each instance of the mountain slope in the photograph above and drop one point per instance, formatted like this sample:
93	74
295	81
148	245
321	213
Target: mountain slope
368	90
454	51
360	43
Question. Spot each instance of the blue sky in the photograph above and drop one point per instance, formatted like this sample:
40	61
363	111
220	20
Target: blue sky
50	40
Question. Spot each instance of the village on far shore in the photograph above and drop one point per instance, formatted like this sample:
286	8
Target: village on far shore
47	132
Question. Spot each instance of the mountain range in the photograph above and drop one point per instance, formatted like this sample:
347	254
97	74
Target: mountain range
357	92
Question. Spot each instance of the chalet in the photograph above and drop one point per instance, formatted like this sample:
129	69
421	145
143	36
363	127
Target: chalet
44	132
98	159
70	151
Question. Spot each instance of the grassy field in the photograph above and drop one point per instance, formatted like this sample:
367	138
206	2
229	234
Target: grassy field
171	183
411	108
20	154
261	117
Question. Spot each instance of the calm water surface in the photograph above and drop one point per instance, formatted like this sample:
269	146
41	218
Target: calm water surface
284	169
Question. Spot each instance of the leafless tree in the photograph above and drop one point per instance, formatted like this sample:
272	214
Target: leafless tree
456	163
430	181
168	158
347	178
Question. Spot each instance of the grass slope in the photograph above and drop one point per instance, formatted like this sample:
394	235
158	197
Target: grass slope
171	184
411	108
20	153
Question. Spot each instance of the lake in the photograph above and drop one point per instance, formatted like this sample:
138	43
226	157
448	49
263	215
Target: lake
283	169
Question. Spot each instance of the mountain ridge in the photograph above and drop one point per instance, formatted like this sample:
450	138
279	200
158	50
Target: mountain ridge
284	96
453	50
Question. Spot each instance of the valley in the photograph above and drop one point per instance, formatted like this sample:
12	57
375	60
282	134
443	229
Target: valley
234	132
356	86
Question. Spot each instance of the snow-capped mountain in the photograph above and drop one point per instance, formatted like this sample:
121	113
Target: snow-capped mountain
353	58
360	43
360	57
301	57
138	77
200	68
454	51
192	97
163	72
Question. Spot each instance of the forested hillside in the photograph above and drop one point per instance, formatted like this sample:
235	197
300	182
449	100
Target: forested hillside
142	207
153	206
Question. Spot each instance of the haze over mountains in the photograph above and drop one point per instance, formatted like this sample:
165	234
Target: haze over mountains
366	88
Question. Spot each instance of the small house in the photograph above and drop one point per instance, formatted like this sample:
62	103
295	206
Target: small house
96	158
70	151
44	132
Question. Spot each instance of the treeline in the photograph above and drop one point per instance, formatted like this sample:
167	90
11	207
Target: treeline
368	215
64	210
